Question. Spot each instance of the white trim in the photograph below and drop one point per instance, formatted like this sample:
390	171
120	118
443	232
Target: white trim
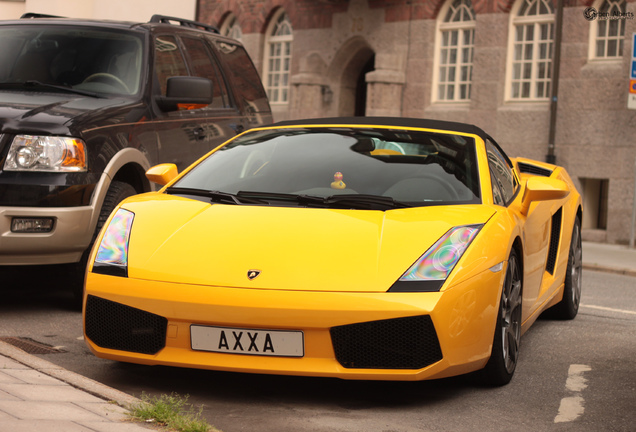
441	27
593	36
283	40
231	27
537	21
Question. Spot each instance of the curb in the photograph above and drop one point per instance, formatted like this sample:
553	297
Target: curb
88	385
606	269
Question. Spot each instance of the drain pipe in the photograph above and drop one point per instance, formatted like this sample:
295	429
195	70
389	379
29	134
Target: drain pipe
556	66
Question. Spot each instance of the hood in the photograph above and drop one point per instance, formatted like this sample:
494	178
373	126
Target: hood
50	113
178	240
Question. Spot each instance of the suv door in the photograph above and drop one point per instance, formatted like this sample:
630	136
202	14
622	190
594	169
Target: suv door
201	127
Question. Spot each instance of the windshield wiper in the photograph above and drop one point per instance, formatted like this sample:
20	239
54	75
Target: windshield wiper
216	196
361	201
345	201
35	83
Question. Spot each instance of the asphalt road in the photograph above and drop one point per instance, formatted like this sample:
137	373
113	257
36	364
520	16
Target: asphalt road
573	375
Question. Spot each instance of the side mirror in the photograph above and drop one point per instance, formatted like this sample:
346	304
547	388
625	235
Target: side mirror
542	189
186	90
162	174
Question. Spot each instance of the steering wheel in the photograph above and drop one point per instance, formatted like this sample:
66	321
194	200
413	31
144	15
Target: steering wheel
108	79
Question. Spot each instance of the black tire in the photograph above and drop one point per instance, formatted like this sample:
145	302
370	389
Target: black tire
505	349
568	308
117	192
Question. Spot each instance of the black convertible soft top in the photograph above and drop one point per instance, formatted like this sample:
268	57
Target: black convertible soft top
392	121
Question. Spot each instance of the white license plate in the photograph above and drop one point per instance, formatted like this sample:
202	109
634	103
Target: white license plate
247	341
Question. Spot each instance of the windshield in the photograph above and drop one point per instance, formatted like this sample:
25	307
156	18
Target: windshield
419	168
80	58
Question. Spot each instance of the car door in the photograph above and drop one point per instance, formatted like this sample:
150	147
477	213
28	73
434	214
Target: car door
189	132
536	226
505	186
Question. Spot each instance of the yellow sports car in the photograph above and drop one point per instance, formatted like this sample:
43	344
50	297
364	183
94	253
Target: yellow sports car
357	248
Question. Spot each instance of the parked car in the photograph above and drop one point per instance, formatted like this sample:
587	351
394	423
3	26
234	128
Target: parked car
357	248
86	107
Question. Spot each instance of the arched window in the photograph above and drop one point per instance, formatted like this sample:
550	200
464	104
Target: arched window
607	34
277	59
453	71
231	28
530	50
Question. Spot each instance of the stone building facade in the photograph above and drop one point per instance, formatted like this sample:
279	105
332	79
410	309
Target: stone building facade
485	62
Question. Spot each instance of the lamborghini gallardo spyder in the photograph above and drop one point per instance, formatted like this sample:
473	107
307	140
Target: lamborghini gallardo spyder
357	248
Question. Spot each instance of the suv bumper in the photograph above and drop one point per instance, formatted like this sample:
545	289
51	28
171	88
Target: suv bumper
71	235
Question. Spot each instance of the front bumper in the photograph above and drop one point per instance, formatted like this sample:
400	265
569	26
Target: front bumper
157	317
71	235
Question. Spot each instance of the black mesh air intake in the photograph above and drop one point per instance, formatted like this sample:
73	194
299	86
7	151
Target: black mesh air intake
400	343
555	236
120	327
534	169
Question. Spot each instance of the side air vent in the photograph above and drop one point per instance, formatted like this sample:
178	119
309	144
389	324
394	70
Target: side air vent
534	169
555	237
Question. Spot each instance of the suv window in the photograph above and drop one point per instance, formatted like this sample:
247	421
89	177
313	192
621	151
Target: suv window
245	80
504	183
204	65
169	61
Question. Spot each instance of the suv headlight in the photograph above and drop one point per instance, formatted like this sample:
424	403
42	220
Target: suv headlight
46	153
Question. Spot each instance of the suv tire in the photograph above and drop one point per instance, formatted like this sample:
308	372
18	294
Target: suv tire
117	192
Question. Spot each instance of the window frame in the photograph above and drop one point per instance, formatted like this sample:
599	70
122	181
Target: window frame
493	148
537	20
271	38
444	26
162	84
219	81
231	28
594	36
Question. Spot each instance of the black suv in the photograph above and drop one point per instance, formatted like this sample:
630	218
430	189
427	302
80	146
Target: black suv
86	107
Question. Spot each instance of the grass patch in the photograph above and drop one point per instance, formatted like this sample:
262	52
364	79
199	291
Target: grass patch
171	411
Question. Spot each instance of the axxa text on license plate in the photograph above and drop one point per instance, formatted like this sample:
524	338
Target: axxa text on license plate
247	341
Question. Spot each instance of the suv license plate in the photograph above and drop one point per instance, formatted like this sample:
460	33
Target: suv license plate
247	341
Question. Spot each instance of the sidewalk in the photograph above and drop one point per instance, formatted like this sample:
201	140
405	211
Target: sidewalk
609	258
38	395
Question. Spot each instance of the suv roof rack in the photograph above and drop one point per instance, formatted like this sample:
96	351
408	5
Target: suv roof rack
29	15
163	19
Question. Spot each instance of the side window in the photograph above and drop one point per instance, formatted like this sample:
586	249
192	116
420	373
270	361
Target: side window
504	183
247	85
168	61
204	65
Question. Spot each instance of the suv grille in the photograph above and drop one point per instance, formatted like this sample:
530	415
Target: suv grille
400	343
116	326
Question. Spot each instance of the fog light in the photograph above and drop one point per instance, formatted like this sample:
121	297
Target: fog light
31	225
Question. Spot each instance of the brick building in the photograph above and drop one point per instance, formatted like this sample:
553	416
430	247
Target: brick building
486	62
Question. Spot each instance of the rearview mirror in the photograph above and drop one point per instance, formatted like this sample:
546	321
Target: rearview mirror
162	174
543	189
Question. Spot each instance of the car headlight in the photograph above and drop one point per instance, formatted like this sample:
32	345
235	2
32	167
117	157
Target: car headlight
430	271
46	153
112	255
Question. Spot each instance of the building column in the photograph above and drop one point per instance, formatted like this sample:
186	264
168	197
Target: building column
385	86
310	96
